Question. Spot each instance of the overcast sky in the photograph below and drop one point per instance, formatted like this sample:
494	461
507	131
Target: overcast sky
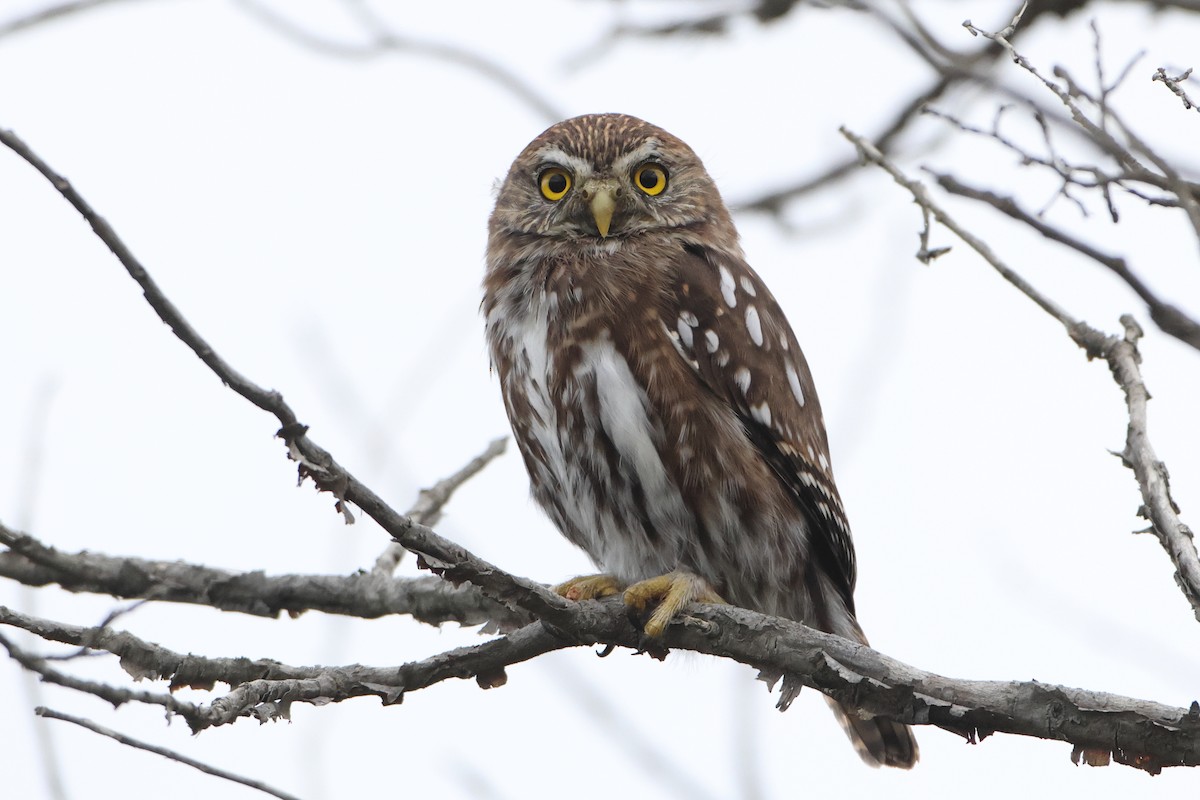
321	219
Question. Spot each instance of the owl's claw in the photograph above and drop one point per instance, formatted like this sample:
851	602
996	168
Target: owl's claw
672	592
588	587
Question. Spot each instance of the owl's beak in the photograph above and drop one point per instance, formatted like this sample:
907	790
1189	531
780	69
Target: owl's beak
602	205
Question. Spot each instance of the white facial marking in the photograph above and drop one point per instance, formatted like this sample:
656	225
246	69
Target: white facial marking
742	378
794	382
753	325
711	341
685	331
762	413
748	286
728	288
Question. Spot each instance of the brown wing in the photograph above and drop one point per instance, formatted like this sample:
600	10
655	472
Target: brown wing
729	327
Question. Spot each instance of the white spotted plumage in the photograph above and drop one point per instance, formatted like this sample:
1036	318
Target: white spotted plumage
664	410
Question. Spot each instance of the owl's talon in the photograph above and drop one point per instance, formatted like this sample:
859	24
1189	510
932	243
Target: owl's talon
588	587
672	592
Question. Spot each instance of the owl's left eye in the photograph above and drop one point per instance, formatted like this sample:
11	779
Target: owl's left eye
555	183
651	178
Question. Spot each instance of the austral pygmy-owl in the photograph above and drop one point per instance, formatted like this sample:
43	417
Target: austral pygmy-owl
659	398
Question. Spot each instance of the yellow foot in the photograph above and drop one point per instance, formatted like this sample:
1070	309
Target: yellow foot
673	592
589	587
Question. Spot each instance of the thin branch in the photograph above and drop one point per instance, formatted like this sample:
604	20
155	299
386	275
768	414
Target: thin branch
428	508
1170	318
363	595
1123	359
1161	76
442	556
868	152
384	41
112	694
49	713
52	14
1184	190
265	689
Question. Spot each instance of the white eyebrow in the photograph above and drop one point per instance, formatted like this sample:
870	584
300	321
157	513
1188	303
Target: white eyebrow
556	155
648	149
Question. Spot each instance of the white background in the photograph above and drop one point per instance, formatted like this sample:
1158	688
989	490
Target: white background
321	220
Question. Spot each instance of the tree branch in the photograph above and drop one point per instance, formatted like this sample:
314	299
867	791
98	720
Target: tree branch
428	508
1143	734
49	713
1139	733
363	595
1123	359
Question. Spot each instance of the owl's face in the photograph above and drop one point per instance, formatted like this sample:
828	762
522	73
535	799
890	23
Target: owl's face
605	177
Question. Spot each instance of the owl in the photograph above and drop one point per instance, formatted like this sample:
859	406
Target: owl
665	413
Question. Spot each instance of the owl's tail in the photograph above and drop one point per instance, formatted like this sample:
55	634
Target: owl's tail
879	742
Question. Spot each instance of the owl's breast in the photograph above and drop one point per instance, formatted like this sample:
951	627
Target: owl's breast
592	442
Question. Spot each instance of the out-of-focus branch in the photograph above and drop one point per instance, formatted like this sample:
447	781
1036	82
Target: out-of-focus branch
52	13
129	741
382	41
428	508
363	595
1123	359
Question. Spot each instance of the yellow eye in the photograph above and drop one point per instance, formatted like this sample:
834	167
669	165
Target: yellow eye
555	183
651	178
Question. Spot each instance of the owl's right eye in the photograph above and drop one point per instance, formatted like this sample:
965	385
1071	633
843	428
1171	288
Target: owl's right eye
555	183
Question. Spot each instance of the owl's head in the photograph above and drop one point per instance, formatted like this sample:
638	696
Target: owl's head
606	177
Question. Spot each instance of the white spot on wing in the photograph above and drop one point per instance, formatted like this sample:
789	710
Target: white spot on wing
728	288
748	285
723	358
762	413
753	325
688	318
675	340
742	378
783	342
711	341
823	461
685	331
794	382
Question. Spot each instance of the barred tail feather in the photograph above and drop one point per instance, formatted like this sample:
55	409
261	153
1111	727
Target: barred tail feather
879	742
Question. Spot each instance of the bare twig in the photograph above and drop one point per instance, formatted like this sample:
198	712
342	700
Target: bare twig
1172	319
1123	359
49	713
428	508
1161	75
385	42
1128	157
